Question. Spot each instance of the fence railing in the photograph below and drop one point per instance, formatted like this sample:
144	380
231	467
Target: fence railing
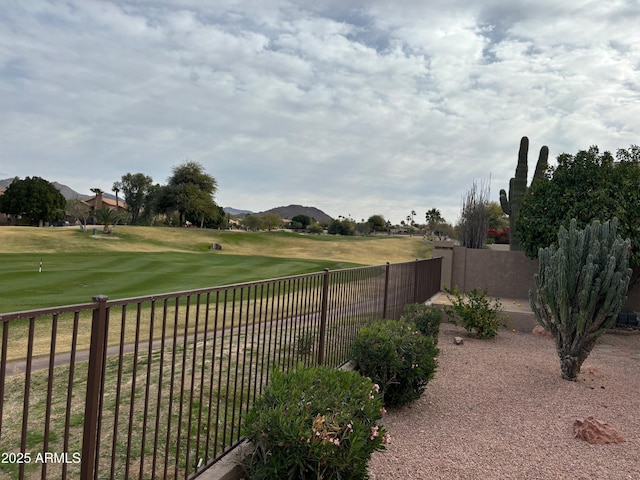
157	386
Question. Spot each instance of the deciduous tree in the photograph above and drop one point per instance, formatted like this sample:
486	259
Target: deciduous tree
79	210
301	222
377	223
190	192
33	198
135	188
271	221
253	222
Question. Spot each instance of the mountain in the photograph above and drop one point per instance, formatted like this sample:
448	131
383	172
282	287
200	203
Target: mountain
293	210
235	211
67	192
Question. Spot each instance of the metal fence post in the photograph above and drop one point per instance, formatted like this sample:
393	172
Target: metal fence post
94	381
323	316
415	280
386	291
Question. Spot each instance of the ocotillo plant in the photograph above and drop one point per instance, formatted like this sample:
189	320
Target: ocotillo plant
518	187
581	285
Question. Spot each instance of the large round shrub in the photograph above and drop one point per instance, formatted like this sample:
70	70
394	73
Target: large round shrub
314	423
398	357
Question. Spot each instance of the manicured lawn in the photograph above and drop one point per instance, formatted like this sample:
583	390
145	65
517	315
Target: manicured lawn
135	261
76	278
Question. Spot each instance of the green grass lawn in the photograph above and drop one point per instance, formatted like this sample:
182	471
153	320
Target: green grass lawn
76	278
135	261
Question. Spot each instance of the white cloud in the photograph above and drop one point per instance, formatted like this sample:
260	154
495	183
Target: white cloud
354	107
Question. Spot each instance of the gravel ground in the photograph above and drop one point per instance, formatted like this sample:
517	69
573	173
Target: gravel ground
498	409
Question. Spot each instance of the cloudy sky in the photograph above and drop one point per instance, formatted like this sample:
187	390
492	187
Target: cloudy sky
354	107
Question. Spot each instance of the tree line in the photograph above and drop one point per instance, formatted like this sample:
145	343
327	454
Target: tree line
188	197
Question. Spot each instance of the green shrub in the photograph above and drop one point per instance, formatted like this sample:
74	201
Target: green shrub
426	318
314	423
475	312
396	356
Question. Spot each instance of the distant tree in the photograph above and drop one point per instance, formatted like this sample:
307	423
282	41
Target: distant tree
341	227
315	228
136	189
79	210
217	218
253	222
97	191
190	191
446	230
433	216
474	217
434	220
271	221
301	222
377	223
363	228
116	189
586	186
35	199
109	217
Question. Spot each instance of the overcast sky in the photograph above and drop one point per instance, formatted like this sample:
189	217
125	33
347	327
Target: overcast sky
354	107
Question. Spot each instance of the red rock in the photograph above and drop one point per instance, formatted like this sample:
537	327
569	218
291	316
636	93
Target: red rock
541	331
596	432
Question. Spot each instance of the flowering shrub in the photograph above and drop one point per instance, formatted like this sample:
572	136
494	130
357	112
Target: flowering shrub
314	423
500	235
398	357
426	318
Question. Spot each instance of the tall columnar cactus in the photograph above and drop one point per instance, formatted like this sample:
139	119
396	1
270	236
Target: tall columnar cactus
581	285
518	187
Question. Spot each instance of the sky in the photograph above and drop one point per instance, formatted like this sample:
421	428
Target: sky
354	107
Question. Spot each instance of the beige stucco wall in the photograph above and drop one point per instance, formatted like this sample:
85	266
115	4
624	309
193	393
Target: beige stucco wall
505	274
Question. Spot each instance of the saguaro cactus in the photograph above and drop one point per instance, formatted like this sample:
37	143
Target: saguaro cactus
518	187
581	285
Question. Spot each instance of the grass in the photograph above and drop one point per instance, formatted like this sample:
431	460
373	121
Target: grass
71	279
210	385
135	261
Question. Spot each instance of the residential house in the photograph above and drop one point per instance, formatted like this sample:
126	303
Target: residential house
100	201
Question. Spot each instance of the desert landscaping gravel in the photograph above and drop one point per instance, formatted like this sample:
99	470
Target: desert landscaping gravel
499	409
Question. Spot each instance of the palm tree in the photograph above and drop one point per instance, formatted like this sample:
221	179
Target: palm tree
433	218
116	188
108	217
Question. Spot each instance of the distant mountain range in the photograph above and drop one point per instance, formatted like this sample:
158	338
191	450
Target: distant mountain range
235	211
283	212
293	210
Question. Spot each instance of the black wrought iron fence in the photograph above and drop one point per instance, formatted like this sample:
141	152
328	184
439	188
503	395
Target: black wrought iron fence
157	386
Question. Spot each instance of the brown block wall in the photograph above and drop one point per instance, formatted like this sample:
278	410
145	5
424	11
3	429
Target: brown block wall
505	274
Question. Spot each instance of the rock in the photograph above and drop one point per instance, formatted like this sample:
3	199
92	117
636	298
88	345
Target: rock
596	432
540	331
458	340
